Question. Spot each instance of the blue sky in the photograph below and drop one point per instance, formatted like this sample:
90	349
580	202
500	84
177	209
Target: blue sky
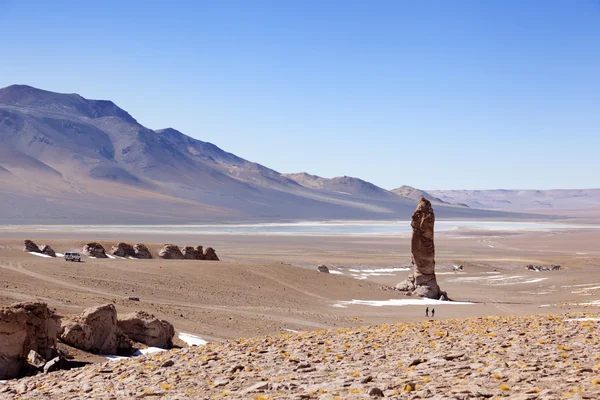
435	94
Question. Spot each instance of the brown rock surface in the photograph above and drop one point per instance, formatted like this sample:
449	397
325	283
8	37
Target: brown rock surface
422	253
25	327
494	357
95	330
31	247
47	250
170	252
189	253
210	254
146	328
199	253
141	251
123	250
94	249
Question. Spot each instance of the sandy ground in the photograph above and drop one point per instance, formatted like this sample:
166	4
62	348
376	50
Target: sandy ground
269	284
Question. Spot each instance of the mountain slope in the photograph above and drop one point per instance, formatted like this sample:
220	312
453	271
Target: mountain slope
547	201
66	158
416	194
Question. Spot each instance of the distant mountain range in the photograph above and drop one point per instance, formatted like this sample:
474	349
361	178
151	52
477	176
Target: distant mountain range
67	159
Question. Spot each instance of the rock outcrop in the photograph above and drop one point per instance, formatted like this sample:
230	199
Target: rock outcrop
94	249
31	247
141	251
199	253
323	268
25	327
423	282
170	252
189	253
146	328
47	250
210	254
95	330
123	250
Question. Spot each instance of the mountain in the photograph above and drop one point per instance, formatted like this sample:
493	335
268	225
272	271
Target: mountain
67	159
546	201
416	194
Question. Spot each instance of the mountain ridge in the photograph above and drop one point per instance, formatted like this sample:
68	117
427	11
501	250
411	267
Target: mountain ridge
106	162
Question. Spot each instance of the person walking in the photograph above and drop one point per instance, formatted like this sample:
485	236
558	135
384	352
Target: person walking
427	312
432	312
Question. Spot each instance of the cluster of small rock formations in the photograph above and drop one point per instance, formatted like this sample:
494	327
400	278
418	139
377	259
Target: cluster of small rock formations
519	357
423	282
173	252
138	250
543	268
31	247
29	333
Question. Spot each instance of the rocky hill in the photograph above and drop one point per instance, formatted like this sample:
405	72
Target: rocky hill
416	195
532	357
67	159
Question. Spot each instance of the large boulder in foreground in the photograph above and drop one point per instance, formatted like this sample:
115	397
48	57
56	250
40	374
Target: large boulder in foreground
170	252
141	251
31	247
25	327
95	330
122	250
47	250
423	282
210	254
146	328
95	250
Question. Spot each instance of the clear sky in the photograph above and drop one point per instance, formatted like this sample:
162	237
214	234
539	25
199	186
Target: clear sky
435	94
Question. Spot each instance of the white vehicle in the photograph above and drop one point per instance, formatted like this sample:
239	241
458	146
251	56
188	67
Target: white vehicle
70	256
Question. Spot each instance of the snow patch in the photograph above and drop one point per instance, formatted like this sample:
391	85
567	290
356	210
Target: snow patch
335	272
40	254
60	255
192	340
397	303
149	350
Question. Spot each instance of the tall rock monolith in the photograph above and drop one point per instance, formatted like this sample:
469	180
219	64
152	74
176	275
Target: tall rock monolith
422	254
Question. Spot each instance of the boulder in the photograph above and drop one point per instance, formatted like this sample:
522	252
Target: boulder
323	268
423	282
189	253
122	250
25	327
94	249
47	250
199	253
146	328
31	247
170	252
141	251
210	254
95	330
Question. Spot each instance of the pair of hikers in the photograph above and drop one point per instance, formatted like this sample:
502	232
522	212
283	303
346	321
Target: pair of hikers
432	312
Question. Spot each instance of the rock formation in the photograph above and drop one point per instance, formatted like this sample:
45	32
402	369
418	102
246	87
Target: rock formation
146	328
189	253
199	253
95	330
422	253
141	251
170	252
123	250
210	254
47	250
94	249
25	327
323	268
31	247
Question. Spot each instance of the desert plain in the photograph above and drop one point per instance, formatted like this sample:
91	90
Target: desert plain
269	285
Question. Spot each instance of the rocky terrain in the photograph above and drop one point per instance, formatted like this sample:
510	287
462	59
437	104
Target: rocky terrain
527	357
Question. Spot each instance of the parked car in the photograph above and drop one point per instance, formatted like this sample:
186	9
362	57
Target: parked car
70	256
